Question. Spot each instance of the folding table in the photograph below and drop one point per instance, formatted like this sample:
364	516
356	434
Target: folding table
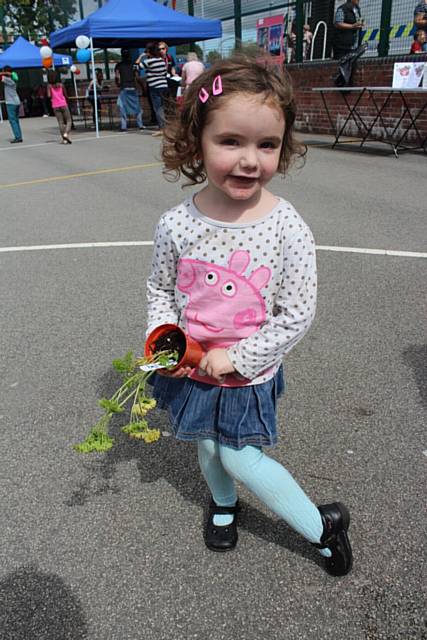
380	98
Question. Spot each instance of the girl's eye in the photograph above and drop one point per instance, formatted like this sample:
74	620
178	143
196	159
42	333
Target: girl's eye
230	142
229	289
211	278
268	145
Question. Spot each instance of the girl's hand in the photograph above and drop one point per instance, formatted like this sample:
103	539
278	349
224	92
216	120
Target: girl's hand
216	363
182	372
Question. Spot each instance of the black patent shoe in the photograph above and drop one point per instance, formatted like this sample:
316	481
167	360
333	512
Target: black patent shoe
336	521
219	538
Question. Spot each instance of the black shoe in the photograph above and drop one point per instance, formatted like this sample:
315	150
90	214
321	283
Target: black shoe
221	538
15	140
336	521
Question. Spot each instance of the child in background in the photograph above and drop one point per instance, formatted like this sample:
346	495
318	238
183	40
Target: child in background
306	44
419	44
234	266
57	94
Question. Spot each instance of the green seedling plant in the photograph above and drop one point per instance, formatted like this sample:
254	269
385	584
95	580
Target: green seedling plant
130	395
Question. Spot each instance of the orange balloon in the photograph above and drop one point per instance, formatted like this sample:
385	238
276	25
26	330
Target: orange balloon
47	62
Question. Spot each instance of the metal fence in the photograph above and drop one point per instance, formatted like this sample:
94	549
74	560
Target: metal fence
388	24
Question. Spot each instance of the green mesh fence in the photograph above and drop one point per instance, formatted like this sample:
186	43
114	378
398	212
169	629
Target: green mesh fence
318	14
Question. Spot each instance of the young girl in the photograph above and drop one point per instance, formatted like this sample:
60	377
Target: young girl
58	96
235	267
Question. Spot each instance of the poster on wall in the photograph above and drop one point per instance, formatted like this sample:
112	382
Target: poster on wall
407	75
270	37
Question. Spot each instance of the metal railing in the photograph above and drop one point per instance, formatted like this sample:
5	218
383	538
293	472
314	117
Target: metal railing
325	35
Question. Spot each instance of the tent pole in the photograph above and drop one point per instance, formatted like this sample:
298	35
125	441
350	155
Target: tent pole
76	94
95	94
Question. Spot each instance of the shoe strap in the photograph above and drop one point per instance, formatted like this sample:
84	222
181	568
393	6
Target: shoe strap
319	546
217	510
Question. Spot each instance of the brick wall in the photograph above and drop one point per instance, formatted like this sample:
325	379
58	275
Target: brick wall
373	72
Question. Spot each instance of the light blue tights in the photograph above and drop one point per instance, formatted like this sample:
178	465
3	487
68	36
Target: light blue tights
266	478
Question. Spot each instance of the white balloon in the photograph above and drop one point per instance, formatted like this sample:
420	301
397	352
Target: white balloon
73	68
82	42
46	52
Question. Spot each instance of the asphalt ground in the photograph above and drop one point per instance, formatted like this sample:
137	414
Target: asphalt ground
110	547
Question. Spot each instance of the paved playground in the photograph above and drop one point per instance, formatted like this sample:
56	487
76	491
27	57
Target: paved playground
110	547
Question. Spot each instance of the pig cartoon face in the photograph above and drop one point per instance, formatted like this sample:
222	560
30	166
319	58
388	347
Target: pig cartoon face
223	305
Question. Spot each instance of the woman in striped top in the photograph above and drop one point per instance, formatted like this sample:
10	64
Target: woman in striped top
155	73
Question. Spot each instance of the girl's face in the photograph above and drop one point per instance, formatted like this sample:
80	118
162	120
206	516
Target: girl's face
241	145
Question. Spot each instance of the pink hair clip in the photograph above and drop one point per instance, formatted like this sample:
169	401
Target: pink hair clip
217	86
203	95
216	90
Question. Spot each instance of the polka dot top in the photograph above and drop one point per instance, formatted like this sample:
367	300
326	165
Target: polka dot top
248	287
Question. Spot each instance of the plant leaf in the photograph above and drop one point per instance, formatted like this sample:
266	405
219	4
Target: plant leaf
112	406
126	364
96	440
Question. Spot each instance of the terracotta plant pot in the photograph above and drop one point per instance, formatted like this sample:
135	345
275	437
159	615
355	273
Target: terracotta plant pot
171	337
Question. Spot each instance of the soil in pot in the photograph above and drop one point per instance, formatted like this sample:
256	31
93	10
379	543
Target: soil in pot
172	341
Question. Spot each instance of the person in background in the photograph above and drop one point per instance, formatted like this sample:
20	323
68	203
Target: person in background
172	76
13	103
291	42
128	101
419	44
156	74
170	62
191	69
307	38
40	94
347	26
58	95
420	16
141	81
90	94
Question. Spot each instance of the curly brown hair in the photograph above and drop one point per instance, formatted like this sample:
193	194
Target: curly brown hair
182	148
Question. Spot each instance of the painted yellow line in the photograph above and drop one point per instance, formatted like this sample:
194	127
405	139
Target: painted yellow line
71	176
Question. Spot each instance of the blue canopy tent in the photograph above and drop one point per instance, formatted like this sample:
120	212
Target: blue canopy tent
132	23
24	55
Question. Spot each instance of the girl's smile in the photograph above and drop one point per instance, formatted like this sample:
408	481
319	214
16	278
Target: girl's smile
241	146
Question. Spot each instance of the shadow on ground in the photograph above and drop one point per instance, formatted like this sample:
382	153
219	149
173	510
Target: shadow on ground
39	606
415	357
176	462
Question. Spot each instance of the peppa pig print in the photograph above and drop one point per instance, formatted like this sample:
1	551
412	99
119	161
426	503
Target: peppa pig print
224	305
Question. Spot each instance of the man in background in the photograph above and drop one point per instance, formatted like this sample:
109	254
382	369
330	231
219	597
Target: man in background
347	26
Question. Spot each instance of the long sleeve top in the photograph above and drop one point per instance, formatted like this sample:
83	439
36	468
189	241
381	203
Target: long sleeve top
10	93
248	287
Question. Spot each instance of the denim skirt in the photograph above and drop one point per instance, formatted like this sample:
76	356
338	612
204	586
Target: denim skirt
234	416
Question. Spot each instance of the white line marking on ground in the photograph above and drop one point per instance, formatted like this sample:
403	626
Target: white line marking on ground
149	243
378	252
42	144
78	245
